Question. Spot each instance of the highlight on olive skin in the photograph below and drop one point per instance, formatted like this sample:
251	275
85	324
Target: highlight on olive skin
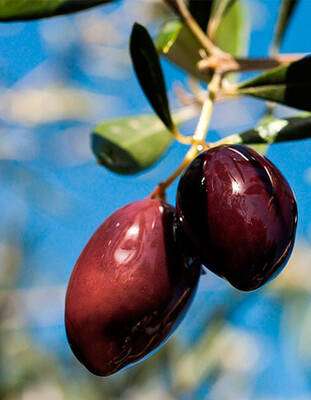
135	279
235	213
238	213
129	289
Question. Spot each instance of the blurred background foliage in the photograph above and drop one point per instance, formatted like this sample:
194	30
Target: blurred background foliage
58	78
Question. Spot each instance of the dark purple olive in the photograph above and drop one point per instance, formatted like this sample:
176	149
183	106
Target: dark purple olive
238	214
129	289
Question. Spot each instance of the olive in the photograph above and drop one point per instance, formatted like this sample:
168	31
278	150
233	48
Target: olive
129	289
237	212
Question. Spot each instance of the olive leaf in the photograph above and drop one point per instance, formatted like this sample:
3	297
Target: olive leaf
286	11
177	44
132	144
219	10
209	11
203	360
201	11
149	73
275	130
17	10
233	30
288	84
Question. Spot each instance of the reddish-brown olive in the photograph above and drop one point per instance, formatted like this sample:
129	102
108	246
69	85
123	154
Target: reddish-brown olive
129	289
238	213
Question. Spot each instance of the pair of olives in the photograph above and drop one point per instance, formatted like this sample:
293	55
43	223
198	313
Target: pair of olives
135	279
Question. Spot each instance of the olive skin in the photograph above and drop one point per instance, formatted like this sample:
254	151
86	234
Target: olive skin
129	288
238	214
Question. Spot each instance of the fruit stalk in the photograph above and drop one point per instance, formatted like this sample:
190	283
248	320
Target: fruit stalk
198	138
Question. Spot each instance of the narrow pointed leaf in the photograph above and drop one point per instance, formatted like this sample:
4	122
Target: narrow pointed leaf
149	73
18	10
286	11
289	84
275	131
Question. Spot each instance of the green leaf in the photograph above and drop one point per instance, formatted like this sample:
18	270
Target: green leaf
267	119
168	35
176	43
130	145
233	31
149	73
17	10
219	10
206	11
201	11
275	131
288	84
286	11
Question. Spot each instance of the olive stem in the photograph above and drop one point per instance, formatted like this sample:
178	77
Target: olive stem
181	138
182	11
246	64
180	116
198	138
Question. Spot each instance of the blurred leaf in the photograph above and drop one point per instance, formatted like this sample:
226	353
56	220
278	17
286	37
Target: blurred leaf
167	36
130	145
233	30
149	73
176	43
286	11
201	11
288	84
275	131
209	11
219	10
16	10
295	280
214	354
195	365
31	186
